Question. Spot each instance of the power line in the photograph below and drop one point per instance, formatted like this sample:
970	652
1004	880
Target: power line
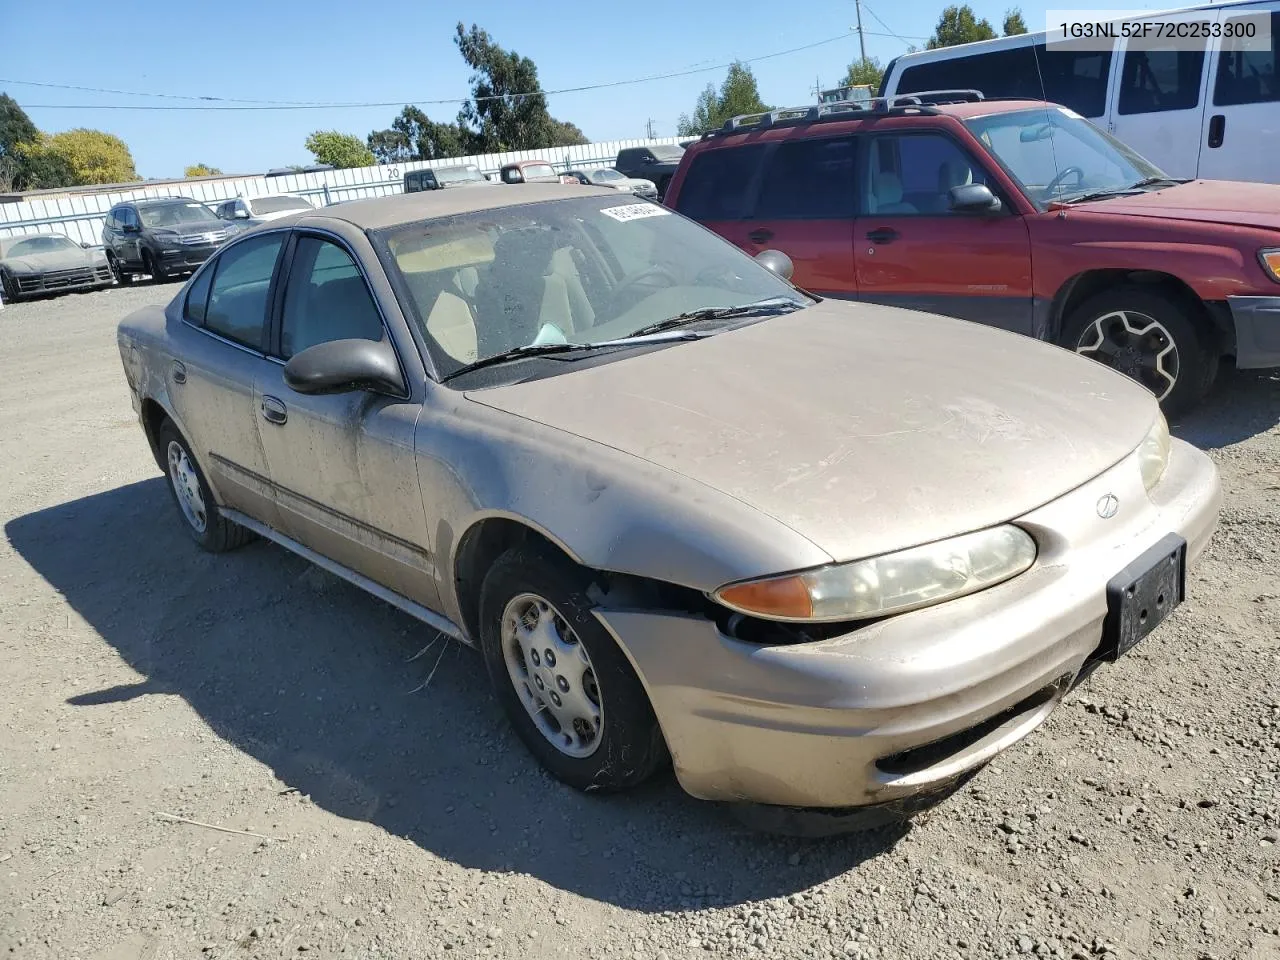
231	104
896	36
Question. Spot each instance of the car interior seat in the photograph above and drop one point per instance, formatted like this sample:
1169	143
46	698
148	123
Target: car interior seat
886	195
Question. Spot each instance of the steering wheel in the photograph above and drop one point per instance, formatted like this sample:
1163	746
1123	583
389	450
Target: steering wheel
657	270
1051	187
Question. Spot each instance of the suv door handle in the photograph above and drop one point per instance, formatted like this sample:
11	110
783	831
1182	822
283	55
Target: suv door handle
1217	130
761	235
178	372
883	235
274	411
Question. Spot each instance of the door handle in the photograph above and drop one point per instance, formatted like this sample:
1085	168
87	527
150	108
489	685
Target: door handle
883	235
274	411
1217	130
760	236
178	372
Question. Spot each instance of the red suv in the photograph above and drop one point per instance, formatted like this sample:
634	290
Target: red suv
1019	214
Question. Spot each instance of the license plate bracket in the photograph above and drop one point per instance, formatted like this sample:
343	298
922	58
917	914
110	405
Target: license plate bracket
1142	595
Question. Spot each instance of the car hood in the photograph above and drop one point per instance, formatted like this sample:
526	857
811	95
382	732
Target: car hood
864	428
56	260
1208	201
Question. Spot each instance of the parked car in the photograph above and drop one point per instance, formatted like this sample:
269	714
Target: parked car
821	554
1207	108
271	206
161	237
440	177
657	162
531	171
49	263
608	177
1011	213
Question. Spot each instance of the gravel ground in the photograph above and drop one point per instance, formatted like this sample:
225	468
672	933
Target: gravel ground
397	817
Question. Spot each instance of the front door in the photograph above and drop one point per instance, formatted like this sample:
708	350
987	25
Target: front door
221	342
130	237
1157	106
911	250
1242	125
805	207
342	466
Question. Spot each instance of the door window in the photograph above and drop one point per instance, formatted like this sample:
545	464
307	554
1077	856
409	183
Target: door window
914	174
237	307
198	298
808	180
129	217
1159	80
1247	66
326	299
718	184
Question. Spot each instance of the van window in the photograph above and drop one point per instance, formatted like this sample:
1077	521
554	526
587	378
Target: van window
1073	78
1155	81
718	184
1247	75
808	180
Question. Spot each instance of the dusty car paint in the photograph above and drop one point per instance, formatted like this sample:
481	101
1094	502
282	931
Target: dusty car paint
818	460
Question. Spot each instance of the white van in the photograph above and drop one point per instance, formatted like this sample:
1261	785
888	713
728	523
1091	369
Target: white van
1211	113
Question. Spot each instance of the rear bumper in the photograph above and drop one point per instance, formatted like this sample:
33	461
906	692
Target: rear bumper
844	722
1257	326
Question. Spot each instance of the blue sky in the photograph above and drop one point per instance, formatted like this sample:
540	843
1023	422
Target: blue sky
398	51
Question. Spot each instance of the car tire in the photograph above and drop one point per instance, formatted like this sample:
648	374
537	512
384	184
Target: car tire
535	585
199	512
662	187
152	267
8	287
1131	330
117	270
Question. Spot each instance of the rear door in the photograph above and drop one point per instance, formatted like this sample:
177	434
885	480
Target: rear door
718	190
1156	104
912	250
1242	128
804	206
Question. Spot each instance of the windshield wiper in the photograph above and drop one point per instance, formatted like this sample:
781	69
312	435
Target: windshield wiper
772	306
1099	195
1152	181
515	353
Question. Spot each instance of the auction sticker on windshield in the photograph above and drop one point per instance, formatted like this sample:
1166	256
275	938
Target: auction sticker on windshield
635	211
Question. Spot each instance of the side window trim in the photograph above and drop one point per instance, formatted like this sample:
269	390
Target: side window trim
211	265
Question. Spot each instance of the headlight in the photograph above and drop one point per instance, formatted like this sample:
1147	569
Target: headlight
1153	452
1270	260
891	583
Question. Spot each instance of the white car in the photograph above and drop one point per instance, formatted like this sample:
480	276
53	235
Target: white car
270	206
615	180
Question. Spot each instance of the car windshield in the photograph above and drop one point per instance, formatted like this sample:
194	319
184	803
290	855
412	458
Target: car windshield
671	152
583	270
1055	154
278	204
537	170
32	246
175	214
458	174
606	175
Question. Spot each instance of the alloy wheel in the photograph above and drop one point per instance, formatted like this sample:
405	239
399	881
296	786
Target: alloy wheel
552	674
1135	344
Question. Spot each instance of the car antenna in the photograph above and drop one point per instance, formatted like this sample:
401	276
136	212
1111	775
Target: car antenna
1044	95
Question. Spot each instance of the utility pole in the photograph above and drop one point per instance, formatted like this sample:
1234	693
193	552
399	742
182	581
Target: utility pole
862	40
648	129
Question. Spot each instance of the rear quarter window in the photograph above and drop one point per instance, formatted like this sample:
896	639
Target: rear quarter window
718	183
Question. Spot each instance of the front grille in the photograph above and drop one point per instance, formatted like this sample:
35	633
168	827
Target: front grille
202	239
61	279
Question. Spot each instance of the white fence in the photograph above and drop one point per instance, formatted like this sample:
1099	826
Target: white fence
80	215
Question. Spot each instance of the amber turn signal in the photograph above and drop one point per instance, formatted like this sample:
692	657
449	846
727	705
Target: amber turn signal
785	598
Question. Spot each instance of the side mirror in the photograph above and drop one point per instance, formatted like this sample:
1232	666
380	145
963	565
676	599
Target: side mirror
776	262
131	228
345	366
85	246
974	198
240	214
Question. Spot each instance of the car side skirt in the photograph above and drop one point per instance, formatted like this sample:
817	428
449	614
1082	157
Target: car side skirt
416	610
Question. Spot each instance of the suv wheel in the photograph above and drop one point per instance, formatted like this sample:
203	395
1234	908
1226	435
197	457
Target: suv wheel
1150	337
118	271
151	265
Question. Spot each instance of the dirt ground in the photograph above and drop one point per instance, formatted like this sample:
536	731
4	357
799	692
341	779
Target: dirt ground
144	680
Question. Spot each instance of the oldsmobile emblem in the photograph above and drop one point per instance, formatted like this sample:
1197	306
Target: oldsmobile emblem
1107	506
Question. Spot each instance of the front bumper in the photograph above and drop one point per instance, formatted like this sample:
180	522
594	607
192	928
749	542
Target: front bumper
185	256
842	722
1257	323
58	281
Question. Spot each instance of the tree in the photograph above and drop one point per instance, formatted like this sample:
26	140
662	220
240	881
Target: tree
339	149
738	95
389	146
201	170
959	25
94	156
15	128
867	71
1013	22
415	136
38	167
566	134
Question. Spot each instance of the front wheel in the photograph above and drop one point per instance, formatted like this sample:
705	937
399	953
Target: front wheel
118	271
566	687
200	514
8	287
1152	338
151	265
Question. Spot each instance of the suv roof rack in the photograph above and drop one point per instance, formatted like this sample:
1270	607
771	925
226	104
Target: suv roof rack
919	103
161	196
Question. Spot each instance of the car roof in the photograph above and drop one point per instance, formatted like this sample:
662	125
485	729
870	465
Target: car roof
389	211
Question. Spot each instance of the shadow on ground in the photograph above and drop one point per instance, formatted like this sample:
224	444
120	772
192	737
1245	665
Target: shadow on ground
1242	404
317	680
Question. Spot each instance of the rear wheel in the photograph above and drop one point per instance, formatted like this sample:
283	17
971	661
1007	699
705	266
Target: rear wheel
1158	340
199	511
567	688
